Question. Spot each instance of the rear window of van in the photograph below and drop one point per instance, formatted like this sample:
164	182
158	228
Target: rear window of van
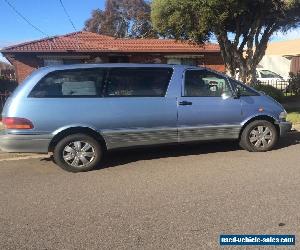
68	83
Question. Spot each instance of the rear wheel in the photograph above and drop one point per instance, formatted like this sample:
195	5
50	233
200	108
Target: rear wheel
259	136
77	153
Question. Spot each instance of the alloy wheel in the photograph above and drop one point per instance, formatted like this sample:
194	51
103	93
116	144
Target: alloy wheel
79	154
261	136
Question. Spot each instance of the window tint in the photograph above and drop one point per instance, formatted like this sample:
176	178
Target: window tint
243	89
126	82
68	83
205	83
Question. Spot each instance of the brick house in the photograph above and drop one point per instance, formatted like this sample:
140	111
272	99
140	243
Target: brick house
282	57
87	47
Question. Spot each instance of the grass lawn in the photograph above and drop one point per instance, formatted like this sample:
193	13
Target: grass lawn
292	106
294	115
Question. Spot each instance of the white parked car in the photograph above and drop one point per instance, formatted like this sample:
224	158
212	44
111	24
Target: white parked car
269	77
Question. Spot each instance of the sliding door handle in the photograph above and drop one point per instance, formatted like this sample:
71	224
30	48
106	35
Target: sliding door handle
185	103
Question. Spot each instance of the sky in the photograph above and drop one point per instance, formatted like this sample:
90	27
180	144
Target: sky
48	16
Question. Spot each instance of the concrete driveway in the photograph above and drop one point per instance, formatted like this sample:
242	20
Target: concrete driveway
162	198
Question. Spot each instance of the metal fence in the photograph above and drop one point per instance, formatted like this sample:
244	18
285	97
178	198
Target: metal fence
283	85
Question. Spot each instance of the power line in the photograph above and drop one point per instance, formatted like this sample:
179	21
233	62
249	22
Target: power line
25	19
67	14
70	20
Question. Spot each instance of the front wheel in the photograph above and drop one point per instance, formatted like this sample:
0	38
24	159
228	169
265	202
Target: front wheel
77	153
259	136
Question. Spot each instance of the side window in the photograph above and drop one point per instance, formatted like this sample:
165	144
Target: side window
205	83
130	82
243	89
70	83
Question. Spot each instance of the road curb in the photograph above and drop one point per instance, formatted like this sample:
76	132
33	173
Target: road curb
25	157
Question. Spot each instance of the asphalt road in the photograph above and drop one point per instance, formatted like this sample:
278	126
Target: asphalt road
161	198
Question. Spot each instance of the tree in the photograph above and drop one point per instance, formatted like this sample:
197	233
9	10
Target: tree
241	27
122	18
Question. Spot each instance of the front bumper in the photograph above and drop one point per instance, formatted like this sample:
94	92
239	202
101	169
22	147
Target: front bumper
24	143
284	127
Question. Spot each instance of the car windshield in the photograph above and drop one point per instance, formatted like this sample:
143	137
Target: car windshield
269	74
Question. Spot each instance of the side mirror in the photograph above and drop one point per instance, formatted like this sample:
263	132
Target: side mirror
237	94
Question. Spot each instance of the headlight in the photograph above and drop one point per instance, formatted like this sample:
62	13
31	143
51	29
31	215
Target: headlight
283	115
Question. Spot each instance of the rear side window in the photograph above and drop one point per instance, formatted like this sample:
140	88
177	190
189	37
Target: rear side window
137	82
70	83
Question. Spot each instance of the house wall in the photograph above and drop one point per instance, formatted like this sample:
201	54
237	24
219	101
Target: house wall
295	65
214	61
25	64
277	64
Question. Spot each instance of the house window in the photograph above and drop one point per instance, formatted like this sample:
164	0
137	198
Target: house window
51	62
72	61
174	61
182	61
118	59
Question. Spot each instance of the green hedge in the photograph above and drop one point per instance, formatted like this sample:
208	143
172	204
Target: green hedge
275	93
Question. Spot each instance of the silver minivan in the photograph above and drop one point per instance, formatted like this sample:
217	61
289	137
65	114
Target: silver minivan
77	112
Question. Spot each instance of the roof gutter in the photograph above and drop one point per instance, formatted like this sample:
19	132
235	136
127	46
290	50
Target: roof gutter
111	51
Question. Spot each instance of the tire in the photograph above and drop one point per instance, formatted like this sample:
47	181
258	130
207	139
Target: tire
259	136
77	153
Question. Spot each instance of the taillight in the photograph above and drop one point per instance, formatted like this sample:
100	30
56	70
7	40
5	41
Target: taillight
17	123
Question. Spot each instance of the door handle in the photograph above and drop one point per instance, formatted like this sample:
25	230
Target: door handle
185	103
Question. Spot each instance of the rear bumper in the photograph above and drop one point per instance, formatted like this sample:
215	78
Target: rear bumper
285	127
24	143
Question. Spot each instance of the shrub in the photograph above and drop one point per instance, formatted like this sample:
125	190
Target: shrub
294	85
275	93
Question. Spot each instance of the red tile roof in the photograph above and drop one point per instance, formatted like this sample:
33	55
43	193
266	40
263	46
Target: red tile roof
84	41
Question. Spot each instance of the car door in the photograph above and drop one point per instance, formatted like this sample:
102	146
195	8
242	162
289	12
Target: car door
207	108
135	109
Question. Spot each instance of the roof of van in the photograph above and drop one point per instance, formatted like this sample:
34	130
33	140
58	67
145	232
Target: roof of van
115	65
